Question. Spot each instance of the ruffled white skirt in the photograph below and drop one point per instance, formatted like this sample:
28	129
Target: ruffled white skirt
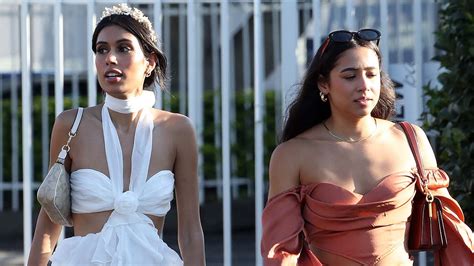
124	240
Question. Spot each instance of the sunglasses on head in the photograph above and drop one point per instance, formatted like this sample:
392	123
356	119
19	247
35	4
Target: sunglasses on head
343	36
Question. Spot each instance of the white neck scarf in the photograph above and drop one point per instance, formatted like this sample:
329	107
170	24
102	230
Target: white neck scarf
130	105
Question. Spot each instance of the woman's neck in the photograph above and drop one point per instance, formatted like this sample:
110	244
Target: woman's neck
351	130
125	112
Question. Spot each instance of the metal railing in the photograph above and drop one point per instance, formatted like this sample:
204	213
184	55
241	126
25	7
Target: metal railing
228	29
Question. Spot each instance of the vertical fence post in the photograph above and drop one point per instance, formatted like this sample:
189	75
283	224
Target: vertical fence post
26	126
258	121
192	58
215	89
75	90
279	113
44	124
58	65
182	59
289	39
225	72
58	59
15	144
1	143
199	97
385	34
167	51
157	22
91	79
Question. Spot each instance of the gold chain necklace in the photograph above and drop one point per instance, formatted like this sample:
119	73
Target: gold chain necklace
350	140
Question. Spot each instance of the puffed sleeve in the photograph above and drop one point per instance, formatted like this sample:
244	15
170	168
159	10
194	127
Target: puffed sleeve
283	238
460	249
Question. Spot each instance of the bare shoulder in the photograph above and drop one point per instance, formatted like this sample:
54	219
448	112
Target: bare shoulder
174	123
424	146
284	167
59	135
429	159
286	151
65	119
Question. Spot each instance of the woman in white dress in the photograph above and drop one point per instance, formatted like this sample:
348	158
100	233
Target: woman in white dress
125	161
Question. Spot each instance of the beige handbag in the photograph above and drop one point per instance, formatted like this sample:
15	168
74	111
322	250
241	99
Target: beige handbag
54	193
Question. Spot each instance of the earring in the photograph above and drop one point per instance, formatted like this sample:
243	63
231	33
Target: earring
147	74
323	96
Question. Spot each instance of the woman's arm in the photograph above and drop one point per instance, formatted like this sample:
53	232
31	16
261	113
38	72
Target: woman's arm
46	232
282	221
44	240
190	235
460	249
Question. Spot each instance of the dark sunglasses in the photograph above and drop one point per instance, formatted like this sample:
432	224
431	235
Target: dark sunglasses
343	36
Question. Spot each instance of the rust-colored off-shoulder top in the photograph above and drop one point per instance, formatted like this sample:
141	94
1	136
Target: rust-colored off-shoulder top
360	228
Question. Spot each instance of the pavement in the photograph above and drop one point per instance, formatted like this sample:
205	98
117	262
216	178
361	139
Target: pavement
11	257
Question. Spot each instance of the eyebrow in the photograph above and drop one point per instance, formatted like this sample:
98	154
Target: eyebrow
118	41
356	69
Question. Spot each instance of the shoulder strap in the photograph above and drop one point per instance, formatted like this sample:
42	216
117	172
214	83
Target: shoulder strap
77	121
72	133
412	141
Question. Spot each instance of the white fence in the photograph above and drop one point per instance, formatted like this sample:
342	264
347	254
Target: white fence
210	48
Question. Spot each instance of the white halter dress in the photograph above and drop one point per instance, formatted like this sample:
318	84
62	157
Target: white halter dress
129	236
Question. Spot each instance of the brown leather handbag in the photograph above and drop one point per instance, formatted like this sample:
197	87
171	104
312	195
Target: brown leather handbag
427	232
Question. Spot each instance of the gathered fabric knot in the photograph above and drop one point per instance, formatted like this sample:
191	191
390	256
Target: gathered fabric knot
126	203
302	191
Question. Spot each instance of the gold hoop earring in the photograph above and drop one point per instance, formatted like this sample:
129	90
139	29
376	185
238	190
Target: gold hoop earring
323	96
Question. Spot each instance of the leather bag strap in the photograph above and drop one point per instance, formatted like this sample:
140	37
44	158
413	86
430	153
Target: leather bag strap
77	121
72	133
412	141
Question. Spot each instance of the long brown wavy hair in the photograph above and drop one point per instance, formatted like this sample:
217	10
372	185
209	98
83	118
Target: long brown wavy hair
308	110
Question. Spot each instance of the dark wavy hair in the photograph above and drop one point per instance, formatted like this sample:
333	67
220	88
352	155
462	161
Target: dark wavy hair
148	46
308	110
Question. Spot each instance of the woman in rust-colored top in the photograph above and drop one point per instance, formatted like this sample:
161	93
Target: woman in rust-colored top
343	178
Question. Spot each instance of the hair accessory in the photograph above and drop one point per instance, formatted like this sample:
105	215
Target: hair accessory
135	13
343	36
323	96
350	140
130	105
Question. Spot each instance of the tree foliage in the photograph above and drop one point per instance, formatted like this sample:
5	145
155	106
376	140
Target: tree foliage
450	115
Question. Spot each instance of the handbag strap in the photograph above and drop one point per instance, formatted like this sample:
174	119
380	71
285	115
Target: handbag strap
72	133
412	141
77	121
